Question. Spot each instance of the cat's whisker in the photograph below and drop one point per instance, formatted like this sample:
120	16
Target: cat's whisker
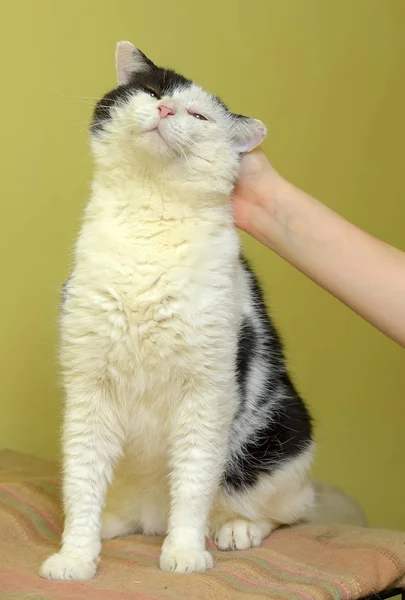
192	147
74	97
185	157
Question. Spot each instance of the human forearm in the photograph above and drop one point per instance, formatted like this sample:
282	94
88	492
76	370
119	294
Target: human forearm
363	272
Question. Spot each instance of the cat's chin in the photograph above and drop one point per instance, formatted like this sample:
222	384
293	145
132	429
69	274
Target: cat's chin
155	131
154	142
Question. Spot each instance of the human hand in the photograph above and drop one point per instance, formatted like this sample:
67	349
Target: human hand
255	197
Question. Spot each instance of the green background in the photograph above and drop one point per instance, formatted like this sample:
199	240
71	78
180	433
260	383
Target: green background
327	77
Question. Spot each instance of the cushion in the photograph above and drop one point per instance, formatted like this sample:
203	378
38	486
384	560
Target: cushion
303	562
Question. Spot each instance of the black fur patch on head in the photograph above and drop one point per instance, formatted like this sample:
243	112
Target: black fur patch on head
160	81
157	79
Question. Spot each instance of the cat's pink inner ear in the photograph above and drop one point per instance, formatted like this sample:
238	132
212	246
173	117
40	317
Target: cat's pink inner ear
130	60
249	133
124	61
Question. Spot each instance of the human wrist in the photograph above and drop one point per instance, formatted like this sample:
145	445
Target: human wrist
268	220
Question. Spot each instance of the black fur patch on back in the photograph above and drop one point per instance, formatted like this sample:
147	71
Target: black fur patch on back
246	348
284	436
284	424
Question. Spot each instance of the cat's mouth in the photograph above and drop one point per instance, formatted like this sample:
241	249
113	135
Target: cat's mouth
157	132
155	129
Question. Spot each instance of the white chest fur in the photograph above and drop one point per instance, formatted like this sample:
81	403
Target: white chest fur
155	281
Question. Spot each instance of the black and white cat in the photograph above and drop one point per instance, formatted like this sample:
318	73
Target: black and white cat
173	372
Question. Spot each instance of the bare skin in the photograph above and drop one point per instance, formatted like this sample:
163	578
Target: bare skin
365	273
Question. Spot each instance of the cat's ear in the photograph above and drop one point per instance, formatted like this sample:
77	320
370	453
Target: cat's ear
247	133
130	60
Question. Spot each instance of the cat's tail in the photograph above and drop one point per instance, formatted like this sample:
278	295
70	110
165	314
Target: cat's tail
335	507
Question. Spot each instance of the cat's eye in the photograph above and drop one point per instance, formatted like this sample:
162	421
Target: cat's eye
152	93
199	117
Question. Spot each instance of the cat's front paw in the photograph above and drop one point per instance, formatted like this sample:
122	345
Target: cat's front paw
185	560
67	567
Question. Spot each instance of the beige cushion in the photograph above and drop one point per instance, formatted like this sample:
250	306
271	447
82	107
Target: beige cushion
306	562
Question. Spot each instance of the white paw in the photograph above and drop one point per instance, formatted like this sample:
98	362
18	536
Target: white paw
185	560
67	567
241	535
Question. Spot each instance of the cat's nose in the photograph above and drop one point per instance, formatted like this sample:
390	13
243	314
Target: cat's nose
166	110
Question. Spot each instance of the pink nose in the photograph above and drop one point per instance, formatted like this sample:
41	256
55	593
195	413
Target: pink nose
165	111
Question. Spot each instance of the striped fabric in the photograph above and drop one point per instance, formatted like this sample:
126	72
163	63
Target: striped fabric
300	563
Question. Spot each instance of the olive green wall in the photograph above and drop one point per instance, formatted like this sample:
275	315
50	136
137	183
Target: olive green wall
327	76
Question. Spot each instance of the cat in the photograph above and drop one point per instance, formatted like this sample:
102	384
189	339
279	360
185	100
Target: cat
173	372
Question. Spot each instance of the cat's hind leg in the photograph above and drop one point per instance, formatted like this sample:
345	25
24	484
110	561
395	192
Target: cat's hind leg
138	500
114	526
241	534
120	517
243	517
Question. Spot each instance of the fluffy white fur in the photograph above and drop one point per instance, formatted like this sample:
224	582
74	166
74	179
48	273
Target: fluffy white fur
148	342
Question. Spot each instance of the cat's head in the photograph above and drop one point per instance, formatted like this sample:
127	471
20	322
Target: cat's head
157	115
